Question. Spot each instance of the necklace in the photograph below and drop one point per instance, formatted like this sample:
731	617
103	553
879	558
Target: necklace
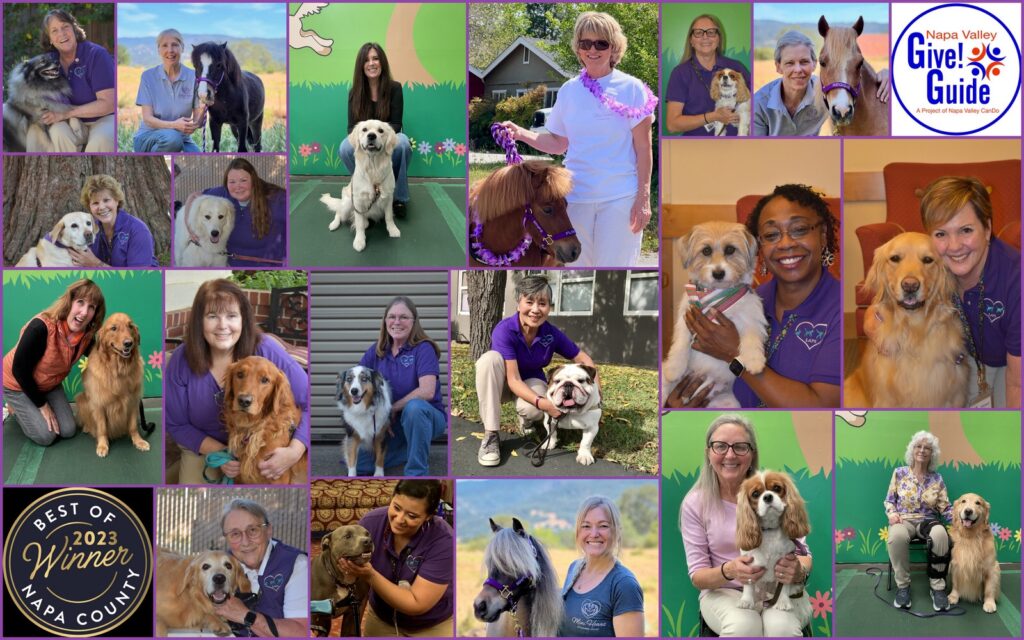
965	324
770	350
700	76
613	105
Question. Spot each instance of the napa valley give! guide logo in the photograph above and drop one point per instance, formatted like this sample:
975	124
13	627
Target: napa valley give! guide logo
77	562
956	69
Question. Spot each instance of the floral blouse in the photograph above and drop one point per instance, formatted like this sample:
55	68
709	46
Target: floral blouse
917	500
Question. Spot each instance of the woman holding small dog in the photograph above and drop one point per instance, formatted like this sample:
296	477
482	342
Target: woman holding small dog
412	566
602	123
707	519
90	71
165	95
916	505
375	96
957	214
261	217
408	360
521	346
221	331
49	345
691	109
599	577
123	240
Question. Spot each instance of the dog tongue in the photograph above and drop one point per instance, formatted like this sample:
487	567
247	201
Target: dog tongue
215	240
968	523
569	402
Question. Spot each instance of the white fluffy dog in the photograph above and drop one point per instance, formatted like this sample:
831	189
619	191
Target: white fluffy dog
729	89
370	193
719	257
201	232
74	230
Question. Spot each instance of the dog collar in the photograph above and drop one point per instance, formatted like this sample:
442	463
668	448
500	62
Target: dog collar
376	197
56	243
719	299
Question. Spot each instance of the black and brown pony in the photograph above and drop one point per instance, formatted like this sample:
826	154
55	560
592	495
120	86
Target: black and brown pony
849	84
519	217
232	96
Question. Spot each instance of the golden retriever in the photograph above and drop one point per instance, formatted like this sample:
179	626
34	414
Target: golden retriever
188	588
974	569
260	414
921	360
201	232
108	406
74	230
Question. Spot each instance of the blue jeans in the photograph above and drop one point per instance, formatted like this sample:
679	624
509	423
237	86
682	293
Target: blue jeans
400	158
159	140
419	423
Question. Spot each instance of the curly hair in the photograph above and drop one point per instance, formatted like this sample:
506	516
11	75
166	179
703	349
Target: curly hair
101	182
928	438
806	197
65	17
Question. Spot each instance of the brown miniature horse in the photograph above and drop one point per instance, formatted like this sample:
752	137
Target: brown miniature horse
849	83
520	201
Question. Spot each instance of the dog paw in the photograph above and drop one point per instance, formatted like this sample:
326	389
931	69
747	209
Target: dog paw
783	605
953	597
378	472
394	232
102	450
745	604
359	244
141	445
585	458
989	606
551	443
334	224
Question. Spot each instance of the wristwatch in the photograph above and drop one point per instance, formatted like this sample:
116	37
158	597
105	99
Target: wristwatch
736	367
250	618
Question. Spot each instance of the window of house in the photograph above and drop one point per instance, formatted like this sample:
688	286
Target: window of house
573	291
526	56
521	92
641	293
499	94
549	98
463	294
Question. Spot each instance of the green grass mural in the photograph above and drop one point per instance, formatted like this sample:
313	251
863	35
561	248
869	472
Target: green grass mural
980	454
137	293
426	48
675	21
799	443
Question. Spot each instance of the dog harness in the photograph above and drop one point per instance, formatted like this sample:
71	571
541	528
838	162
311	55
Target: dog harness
338	606
376	197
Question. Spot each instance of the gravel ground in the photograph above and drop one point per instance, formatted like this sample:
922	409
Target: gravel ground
476	157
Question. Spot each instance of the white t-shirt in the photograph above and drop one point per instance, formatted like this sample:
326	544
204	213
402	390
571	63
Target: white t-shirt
601	154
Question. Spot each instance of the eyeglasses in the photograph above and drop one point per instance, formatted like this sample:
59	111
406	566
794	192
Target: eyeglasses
795	232
704	33
252	532
600	45
739	448
398	318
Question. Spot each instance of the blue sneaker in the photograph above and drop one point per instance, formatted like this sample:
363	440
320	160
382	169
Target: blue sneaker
940	602
902	600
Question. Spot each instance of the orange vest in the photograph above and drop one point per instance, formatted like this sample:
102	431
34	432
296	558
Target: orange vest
56	362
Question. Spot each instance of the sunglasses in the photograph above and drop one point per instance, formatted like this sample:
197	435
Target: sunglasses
600	45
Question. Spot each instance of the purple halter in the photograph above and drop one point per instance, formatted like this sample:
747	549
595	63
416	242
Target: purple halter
511	594
854	91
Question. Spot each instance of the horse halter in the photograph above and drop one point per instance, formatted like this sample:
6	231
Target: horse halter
854	91
213	86
546	238
512	593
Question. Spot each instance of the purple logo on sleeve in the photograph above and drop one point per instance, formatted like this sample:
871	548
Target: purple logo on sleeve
811	334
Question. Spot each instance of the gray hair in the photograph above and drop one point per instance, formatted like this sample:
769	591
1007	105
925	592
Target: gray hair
612	510
793	39
707	487
173	33
241	504
531	286
928	438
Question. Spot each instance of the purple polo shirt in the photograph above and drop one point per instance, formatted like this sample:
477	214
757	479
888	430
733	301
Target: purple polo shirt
244	243
428	555
403	371
507	339
193	402
998	332
685	86
131	245
813	343
92	71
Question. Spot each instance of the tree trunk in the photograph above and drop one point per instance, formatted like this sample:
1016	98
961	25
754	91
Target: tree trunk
486	297
39	190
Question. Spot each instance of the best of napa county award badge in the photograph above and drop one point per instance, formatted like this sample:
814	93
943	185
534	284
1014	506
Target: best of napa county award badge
77	562
956	69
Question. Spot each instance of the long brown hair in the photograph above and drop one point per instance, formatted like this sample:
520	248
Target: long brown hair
83	289
65	17
259	206
216	295
360	96
416	335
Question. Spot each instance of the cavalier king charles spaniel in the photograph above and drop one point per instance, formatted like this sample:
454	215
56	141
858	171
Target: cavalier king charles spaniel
770	516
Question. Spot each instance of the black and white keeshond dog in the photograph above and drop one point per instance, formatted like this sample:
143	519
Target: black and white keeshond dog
34	87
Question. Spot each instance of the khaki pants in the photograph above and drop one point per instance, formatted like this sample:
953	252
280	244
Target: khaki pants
374	627
718	607
191	469
900	535
93	137
492	390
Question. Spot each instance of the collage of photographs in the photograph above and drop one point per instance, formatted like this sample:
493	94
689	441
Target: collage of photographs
462	319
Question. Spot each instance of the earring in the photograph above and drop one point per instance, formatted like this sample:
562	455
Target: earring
827	258
764	267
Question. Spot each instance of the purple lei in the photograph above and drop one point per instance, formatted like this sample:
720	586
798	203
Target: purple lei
482	253
613	105
507	144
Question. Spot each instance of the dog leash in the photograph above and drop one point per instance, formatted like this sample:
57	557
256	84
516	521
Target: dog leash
539	452
955	610
216	460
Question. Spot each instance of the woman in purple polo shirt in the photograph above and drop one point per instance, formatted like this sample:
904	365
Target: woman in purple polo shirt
258	239
90	71
124	240
691	109
222	330
957	214
796	235
521	346
408	360
412	566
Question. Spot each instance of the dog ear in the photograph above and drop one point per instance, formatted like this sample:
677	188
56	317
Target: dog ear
281	400
338	388
242	584
716	90
742	90
794	519
685	249
945	285
392	141
751	247
553	371
325	543
875	279
591	371
748	527
57	231
136	336
229	387
353	139
495	527
517	527
191	578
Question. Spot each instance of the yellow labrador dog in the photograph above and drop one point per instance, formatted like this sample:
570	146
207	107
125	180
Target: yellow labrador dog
370	193
74	230
201	232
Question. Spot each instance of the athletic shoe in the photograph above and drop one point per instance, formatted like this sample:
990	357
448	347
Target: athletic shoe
398	208
940	602
902	600
489	454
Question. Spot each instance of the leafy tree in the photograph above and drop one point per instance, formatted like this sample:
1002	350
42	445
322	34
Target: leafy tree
123	57
639	506
23	26
520	109
492	28
541	24
255	57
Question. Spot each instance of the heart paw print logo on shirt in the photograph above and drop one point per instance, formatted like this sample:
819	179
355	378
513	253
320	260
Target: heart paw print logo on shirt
546	340
994	309
591	608
811	334
407	360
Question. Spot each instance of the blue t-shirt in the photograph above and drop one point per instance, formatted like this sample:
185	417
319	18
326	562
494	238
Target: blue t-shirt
590	614
403	371
507	339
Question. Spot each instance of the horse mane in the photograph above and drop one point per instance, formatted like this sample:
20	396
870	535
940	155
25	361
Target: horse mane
509	188
515	555
232	69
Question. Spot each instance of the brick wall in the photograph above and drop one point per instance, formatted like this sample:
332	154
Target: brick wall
177	320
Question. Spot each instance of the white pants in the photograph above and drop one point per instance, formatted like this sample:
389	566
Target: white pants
603	231
96	137
718	607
